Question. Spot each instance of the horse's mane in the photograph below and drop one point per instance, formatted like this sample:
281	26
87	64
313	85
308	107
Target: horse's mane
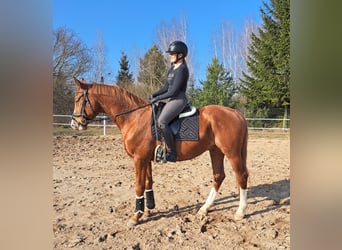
120	94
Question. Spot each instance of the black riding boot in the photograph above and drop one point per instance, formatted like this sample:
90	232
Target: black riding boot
170	142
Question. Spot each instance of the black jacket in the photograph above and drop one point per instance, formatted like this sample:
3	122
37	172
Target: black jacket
175	84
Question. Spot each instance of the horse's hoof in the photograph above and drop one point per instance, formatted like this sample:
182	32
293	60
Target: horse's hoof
238	216
147	212
131	223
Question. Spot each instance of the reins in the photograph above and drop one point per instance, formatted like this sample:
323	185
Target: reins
131	110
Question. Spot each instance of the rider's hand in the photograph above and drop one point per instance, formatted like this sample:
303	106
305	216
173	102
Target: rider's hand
153	99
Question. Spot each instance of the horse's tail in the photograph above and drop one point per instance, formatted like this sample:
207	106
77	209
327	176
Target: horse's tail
244	149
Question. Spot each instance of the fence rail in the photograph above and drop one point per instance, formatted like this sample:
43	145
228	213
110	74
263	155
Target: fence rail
253	123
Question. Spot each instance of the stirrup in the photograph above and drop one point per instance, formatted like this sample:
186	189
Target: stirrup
160	153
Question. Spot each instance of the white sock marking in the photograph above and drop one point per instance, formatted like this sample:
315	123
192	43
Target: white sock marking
210	200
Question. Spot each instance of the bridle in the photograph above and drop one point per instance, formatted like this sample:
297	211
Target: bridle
85	118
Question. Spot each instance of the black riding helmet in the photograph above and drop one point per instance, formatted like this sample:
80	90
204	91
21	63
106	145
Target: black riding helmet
178	47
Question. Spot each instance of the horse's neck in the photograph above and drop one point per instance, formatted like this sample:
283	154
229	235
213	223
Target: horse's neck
117	103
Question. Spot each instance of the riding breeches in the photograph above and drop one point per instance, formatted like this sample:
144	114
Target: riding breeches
170	111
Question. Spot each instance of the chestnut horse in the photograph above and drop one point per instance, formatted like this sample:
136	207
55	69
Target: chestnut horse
222	131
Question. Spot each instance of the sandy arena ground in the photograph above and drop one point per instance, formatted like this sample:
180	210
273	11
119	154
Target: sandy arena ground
94	197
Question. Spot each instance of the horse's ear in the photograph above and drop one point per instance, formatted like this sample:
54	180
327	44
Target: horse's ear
80	84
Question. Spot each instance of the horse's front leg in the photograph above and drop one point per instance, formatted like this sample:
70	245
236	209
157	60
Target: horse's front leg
140	168
150	203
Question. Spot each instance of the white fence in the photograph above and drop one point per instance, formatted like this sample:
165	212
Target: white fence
285	123
104	124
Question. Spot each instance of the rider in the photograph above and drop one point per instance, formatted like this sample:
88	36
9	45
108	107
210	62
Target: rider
174	91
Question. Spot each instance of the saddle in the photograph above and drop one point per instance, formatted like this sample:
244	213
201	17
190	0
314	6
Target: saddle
184	127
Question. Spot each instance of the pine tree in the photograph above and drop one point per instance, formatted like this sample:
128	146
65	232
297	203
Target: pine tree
124	78
218	88
152	71
267	87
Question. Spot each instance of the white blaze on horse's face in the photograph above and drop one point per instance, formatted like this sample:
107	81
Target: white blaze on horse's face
77	125
78	122
73	125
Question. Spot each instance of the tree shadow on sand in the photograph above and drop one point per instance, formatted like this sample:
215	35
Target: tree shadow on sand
276	192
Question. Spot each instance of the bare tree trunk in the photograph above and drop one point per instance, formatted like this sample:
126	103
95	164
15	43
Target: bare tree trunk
245	40
71	58
176	30
100	63
227	48
233	49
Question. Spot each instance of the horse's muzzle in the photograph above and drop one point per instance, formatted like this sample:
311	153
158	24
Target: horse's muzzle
78	125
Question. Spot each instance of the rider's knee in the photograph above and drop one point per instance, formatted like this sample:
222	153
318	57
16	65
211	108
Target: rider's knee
162	125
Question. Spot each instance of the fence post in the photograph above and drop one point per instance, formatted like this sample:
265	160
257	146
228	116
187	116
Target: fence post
285	118
104	126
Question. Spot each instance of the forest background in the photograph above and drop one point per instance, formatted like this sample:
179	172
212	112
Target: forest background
249	71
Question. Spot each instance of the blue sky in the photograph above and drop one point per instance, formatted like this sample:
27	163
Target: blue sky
130	25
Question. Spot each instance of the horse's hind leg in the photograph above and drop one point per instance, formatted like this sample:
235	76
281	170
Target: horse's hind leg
218	176
238	163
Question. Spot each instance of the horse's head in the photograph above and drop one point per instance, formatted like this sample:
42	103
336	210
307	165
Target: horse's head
84	110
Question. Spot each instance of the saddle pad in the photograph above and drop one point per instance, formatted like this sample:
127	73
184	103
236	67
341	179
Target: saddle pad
188	131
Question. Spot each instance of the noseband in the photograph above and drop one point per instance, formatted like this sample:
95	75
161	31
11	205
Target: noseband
85	118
